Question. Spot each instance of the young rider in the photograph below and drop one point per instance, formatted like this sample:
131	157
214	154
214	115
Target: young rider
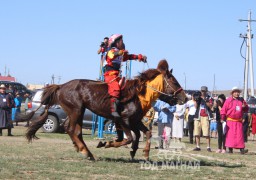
115	56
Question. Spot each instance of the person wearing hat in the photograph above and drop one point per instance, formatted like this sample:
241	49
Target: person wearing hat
5	110
115	56
232	112
202	117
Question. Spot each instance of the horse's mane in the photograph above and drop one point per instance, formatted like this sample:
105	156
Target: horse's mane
136	86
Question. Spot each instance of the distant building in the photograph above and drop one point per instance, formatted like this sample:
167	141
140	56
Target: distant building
7	78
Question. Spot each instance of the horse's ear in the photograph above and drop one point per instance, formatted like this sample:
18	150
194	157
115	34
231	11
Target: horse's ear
171	71
163	65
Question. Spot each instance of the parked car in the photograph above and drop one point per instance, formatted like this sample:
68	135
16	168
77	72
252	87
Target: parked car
252	104
57	116
17	86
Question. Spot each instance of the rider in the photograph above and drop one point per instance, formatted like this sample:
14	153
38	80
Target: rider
115	56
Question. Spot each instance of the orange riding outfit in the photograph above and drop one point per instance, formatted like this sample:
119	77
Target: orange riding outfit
115	56
114	59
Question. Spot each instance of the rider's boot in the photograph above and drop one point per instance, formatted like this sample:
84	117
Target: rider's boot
114	107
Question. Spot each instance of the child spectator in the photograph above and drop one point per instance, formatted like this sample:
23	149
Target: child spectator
221	134
253	124
165	117
17	102
213	124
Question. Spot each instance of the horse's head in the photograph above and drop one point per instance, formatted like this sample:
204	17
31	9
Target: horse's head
174	94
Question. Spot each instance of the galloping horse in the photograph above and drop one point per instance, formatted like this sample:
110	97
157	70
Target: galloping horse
136	97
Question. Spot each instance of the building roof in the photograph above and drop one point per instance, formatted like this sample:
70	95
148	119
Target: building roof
7	78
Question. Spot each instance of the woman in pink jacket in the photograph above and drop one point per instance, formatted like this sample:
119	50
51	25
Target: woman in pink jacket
232	112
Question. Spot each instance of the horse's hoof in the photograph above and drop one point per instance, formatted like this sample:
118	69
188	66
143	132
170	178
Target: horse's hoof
101	144
85	154
92	158
107	144
132	154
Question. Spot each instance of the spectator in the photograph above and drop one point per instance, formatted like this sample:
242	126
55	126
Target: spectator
178	121
221	135
253	124
148	121
26	96
191	113
232	112
103	50
103	46
5	110
213	123
245	126
185	126
17	103
165	117
202	116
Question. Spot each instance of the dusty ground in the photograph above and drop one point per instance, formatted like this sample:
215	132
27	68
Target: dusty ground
53	157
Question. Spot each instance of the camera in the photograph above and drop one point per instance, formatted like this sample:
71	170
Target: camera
197	97
102	44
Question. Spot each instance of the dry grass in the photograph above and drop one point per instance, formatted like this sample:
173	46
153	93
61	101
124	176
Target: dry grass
53	157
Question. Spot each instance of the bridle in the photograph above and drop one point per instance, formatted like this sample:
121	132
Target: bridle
175	93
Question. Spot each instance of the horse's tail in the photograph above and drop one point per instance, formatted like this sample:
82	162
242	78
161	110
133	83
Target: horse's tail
48	99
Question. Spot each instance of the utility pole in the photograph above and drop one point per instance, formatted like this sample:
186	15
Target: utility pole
248	60
213	88
53	79
185	82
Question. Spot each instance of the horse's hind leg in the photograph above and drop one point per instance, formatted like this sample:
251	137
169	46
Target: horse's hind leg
74	130
135	143
147	132
66	128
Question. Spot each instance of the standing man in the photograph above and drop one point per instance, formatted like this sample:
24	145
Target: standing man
103	50
5	111
202	116
232	112
103	46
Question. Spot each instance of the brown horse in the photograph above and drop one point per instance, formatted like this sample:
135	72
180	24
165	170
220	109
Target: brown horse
77	95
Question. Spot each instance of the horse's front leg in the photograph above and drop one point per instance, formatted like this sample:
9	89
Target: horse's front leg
135	143
148	134
127	132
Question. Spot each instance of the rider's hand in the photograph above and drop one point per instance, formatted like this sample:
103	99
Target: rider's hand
142	58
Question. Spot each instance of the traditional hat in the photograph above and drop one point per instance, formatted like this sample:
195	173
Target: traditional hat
204	88
2	86
235	89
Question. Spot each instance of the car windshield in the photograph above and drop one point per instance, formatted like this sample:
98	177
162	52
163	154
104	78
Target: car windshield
37	97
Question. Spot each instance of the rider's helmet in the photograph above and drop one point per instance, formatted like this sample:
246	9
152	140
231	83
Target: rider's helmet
113	39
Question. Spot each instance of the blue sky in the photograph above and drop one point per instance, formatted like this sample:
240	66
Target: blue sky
61	37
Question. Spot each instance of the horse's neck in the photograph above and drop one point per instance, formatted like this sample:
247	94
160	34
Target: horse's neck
152	92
